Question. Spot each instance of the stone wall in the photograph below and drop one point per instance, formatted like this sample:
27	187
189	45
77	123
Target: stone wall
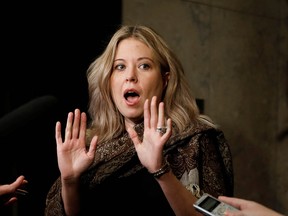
235	54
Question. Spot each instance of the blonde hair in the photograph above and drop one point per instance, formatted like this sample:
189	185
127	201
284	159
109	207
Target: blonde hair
106	121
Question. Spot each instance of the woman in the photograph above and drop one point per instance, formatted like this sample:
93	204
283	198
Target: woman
155	153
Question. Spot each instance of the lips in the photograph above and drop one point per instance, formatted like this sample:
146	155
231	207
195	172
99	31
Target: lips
131	96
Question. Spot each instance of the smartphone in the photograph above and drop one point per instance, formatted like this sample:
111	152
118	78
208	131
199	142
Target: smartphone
211	206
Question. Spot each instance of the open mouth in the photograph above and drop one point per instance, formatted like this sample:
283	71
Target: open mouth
131	96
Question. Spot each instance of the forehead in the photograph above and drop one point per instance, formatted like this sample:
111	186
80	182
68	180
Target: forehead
133	46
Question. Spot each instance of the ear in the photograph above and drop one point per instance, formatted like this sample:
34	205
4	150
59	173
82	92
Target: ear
166	78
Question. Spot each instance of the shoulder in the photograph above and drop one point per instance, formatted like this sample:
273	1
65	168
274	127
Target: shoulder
199	127
195	134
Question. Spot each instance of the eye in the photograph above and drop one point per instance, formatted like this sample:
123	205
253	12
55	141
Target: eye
119	67
144	66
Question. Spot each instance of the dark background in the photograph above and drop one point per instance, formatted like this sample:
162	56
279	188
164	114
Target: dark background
45	52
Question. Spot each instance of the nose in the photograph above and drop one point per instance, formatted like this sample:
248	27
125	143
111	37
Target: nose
131	79
131	76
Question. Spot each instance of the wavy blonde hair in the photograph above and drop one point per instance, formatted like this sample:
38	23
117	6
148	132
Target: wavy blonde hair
106	121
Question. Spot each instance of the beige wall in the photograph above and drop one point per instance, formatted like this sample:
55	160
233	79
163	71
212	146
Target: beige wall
235	54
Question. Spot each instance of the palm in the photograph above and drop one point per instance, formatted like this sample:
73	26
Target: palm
73	157
150	149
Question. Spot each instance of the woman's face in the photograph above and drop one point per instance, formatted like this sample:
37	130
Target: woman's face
135	77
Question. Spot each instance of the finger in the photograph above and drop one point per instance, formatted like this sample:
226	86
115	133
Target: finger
154	112
161	117
83	123
231	201
146	114
76	123
134	137
18	181
168	132
11	201
58	135
92	147
233	213
69	126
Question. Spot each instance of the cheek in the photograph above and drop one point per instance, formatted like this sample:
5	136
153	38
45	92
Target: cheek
114	81
155	86
114	86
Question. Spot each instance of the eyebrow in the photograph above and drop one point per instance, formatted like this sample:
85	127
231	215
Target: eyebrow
139	59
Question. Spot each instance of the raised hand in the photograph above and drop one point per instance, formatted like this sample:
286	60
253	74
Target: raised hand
72	154
150	150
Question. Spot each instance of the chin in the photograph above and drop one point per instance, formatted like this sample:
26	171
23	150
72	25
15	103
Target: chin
135	119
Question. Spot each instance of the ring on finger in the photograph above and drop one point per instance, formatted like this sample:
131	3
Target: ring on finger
161	130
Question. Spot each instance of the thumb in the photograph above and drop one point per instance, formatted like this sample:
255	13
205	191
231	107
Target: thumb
133	135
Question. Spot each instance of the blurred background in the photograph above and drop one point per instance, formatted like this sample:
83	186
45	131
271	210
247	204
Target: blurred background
235	54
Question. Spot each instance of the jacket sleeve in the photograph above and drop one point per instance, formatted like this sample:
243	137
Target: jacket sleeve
54	204
203	163
215	164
